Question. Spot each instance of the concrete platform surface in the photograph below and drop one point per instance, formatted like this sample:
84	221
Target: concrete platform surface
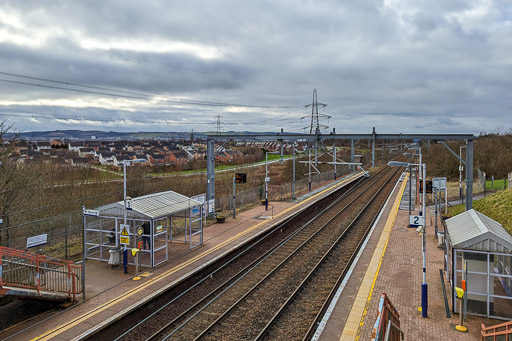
392	264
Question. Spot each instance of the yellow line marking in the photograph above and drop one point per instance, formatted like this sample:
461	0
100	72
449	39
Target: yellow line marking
357	314
62	328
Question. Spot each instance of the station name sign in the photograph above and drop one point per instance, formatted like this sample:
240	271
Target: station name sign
92	213
37	240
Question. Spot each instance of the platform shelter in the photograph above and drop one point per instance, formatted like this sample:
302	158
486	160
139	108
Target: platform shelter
479	250
153	222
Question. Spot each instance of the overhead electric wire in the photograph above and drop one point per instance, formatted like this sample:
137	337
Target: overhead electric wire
34	115
210	74
69	83
140	96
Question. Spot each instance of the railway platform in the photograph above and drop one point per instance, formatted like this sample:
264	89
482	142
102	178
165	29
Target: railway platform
110	294
391	263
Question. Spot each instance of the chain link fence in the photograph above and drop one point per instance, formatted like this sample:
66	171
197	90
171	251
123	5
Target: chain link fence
64	232
276	192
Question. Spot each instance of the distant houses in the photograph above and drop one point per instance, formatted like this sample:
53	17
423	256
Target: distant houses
114	153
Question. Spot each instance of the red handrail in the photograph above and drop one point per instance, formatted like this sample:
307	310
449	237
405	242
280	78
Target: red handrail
492	332
24	269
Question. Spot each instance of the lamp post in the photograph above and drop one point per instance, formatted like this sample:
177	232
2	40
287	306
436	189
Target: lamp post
419	173
421	230
293	181
267	179
460	174
309	171
125	250
410	181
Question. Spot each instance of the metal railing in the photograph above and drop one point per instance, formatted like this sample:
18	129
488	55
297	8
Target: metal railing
27	270
498	332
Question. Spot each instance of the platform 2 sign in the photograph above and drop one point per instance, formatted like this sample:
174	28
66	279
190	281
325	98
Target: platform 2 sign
124	238
416	220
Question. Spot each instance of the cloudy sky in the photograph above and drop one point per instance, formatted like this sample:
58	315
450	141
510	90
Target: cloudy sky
400	66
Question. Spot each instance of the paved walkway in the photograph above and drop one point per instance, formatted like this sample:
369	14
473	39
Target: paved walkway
392	264
400	277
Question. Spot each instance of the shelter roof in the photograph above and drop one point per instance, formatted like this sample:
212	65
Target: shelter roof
473	230
151	206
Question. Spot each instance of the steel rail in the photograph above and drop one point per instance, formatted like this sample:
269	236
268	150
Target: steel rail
359	187
257	285
357	184
325	305
323	259
248	268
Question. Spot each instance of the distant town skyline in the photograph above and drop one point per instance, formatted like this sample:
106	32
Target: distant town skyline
399	66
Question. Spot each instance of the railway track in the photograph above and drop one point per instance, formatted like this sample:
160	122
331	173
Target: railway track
282	292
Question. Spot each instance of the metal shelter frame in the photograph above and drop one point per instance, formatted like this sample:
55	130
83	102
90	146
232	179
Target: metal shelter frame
478	250
162	211
309	138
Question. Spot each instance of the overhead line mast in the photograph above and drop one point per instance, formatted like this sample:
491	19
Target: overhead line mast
315	126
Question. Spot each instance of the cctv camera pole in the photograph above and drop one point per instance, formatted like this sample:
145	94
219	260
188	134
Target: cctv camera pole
424	287
234	209
125	250
309	164
410	188
293	182
435	209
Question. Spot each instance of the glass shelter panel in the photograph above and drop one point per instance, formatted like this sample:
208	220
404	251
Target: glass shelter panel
488	282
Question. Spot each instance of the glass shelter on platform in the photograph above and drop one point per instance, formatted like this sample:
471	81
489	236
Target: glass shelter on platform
154	222
479	251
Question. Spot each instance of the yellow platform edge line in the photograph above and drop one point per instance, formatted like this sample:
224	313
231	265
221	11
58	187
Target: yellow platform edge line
355	321
62	328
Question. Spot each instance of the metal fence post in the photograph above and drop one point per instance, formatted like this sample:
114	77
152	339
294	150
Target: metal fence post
234	197
84	226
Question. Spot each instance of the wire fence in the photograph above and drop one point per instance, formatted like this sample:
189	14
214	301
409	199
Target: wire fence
64	232
276	192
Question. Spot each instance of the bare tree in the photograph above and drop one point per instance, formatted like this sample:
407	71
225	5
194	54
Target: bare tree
18	183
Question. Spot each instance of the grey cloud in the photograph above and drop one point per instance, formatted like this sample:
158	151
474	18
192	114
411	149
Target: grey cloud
372	63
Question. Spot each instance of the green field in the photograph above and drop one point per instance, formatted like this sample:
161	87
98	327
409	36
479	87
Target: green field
277	156
498	184
496	206
222	167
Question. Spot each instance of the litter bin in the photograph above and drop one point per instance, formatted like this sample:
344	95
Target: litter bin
114	257
440	239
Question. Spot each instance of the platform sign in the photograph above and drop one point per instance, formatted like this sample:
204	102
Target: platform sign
129	206
92	213
416	220
439	184
124	238
37	240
